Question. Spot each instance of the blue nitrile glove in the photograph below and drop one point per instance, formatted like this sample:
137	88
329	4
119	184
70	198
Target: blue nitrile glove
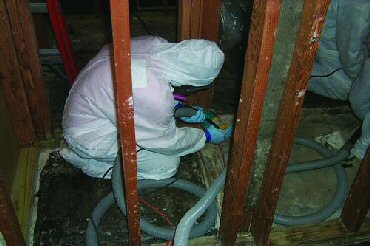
217	136
197	118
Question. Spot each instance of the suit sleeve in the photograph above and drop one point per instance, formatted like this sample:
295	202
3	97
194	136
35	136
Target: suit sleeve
353	21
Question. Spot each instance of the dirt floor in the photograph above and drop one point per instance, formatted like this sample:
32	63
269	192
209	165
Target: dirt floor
67	197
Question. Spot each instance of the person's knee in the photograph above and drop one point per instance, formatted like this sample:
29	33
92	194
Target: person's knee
156	166
359	96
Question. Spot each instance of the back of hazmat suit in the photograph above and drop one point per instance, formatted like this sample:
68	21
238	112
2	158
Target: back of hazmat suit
342	65
90	121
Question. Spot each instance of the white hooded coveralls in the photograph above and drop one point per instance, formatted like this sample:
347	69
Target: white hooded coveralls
90	121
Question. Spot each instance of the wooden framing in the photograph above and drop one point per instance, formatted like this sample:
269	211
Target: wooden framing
23	38
125	108
265	19
11	83
313	17
23	86
358	200
322	233
24	187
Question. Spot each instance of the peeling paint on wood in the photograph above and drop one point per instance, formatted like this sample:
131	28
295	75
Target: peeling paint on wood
289	114
122	58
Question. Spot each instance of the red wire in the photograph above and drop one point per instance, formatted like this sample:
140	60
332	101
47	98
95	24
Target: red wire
158	211
222	154
161	213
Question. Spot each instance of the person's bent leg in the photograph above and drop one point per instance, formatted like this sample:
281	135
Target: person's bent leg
360	103
90	166
360	92
156	166
327	83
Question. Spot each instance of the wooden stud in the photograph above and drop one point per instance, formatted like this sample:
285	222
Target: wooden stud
358	200
265	20
125	108
9	225
313	17
24	185
12	85
24	38
196	18
211	17
184	20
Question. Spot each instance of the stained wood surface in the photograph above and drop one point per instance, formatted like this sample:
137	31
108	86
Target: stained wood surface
125	110
313	17
323	233
24	187
12	83
25	42
9	226
358	201
265	19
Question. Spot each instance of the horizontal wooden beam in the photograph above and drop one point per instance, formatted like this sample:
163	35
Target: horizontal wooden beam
260	50
323	233
306	46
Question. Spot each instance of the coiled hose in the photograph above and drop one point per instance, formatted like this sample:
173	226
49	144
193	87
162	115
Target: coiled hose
184	231
329	160
118	196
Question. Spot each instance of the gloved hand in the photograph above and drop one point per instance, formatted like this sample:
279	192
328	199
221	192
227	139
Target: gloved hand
199	117
217	136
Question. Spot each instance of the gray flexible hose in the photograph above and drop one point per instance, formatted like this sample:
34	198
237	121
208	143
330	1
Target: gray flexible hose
184	231
159	232
329	160
151	229
187	222
97	214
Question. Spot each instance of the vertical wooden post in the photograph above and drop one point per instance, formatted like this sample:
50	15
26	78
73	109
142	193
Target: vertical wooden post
358	200
313	17
260	50
25	42
12	82
9	225
199	19
125	107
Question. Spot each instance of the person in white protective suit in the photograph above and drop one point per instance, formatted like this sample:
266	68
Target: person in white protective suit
89	119
342	66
